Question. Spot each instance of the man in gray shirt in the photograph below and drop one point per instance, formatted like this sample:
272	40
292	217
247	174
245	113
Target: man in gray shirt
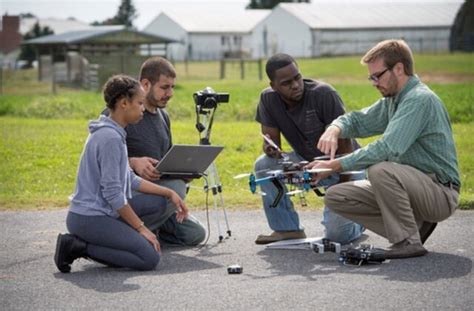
147	143
300	110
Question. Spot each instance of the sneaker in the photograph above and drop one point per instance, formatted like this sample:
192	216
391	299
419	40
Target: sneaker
68	249
426	229
279	236
404	249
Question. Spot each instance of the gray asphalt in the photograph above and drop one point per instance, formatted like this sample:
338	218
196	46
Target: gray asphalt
197	279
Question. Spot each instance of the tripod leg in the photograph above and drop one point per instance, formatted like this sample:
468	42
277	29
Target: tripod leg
219	190
212	186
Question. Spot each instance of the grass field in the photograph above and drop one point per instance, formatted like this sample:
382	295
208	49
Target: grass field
42	135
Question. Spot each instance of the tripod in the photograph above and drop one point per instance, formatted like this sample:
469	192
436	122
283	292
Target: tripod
212	182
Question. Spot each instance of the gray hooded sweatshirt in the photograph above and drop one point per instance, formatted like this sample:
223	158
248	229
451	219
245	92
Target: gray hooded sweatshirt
104	179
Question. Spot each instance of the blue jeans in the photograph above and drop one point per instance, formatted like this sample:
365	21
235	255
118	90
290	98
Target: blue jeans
190	232
284	217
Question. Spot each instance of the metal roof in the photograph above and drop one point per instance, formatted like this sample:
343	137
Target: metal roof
215	21
55	24
95	34
380	14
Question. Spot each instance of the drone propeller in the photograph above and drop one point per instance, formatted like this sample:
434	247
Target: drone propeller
327	157
240	176
351	172
291	193
318	170
243	175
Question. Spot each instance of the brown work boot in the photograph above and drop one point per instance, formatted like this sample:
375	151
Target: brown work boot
405	249
279	236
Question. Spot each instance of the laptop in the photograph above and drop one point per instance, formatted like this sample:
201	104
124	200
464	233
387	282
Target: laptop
187	161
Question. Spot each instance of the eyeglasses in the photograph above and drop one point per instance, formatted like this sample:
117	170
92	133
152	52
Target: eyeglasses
376	76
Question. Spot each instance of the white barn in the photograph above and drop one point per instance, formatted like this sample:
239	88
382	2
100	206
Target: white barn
341	28
207	34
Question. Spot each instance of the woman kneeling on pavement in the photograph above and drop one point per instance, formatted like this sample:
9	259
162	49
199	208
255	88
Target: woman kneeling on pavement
102	225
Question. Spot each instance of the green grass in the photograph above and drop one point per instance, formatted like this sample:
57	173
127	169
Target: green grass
40	159
42	135
450	75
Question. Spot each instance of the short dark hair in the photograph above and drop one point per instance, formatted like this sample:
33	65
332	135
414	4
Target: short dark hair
276	62
392	52
153	67
117	87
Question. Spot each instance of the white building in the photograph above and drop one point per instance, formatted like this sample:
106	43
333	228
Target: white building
207	34
349	27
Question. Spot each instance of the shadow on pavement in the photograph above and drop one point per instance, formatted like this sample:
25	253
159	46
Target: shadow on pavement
432	267
91	276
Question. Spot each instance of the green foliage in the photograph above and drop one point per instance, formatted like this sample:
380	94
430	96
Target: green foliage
462	31
125	15
269	4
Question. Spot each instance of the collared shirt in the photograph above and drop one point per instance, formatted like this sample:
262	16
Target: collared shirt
415	129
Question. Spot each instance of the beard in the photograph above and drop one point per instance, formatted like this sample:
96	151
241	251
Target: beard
155	102
392	87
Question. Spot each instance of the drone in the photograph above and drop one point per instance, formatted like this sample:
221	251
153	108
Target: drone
292	174
363	254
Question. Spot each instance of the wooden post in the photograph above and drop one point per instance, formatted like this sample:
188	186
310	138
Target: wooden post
260	76
40	66
186	69
53	78
1	79
242	69
53	73
222	67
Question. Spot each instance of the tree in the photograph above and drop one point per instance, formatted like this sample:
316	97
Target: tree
125	15
270	4
462	31
27	51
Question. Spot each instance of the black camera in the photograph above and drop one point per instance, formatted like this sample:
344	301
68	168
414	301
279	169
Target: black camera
208	98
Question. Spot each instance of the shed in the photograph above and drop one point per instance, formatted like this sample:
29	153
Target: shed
350	27
92	55
207	34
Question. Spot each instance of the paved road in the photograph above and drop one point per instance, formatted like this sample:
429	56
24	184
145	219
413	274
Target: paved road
197	279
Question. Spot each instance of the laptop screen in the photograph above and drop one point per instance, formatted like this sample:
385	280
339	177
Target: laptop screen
191	160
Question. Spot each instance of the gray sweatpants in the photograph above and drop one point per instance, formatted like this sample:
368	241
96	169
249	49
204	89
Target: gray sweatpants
394	201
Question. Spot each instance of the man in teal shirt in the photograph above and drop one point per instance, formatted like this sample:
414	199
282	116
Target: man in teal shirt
413	177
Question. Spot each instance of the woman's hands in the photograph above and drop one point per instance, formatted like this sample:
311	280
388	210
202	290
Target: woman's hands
150	237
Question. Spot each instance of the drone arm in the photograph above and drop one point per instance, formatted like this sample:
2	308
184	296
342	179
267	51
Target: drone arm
253	182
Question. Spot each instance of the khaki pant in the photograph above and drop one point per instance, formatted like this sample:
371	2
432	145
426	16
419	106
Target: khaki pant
394	201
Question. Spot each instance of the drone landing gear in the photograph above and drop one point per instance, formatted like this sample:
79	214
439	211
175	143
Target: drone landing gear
326	245
361	255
